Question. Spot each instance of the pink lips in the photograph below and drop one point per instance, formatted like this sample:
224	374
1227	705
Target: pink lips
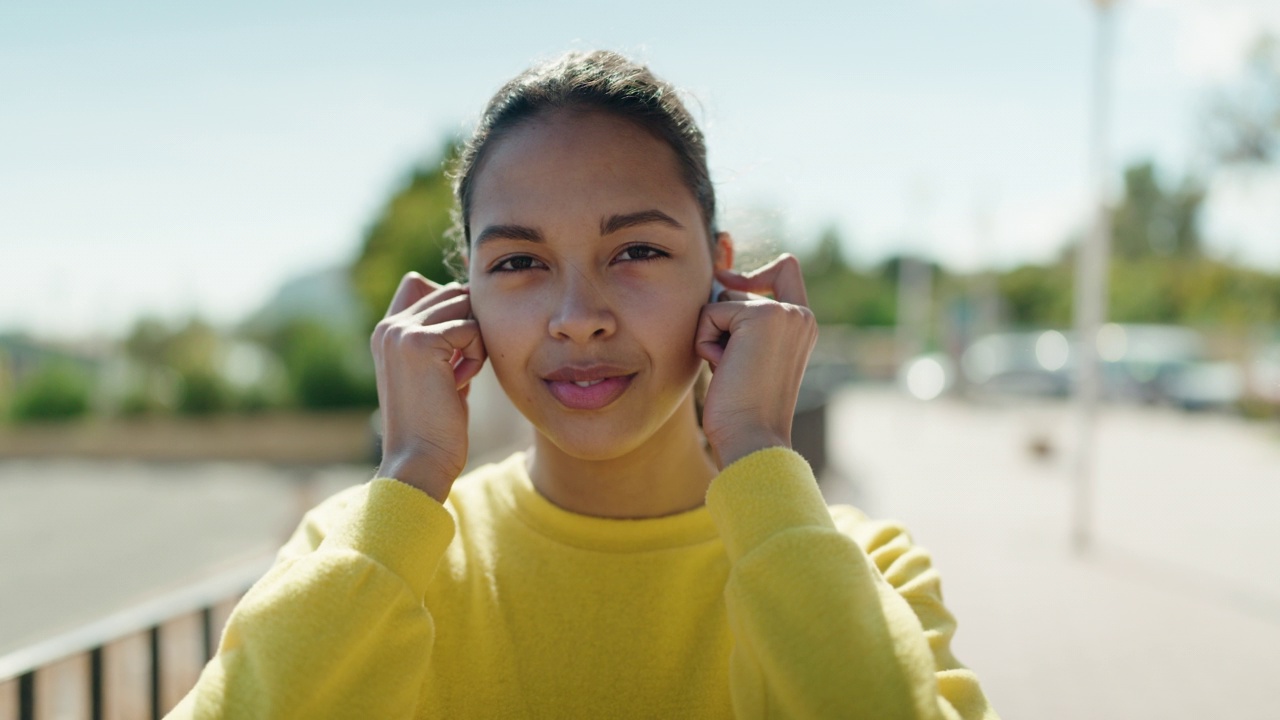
604	384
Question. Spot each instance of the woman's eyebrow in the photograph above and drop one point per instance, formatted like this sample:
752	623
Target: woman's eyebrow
614	223
509	232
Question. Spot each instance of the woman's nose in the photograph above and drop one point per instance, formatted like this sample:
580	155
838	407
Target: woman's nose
582	312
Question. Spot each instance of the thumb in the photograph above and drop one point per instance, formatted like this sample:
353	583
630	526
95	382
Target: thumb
714	326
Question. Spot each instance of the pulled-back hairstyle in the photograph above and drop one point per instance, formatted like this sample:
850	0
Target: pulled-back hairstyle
599	80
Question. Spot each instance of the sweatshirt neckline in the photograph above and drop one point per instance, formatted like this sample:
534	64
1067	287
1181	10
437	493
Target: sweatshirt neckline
601	534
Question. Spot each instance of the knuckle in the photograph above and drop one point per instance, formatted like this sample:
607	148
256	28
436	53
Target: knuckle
787	314
380	333
418	339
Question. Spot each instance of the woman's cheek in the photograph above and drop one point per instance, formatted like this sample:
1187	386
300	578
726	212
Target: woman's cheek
504	329
670	318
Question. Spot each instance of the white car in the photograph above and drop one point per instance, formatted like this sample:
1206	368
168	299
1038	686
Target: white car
1264	374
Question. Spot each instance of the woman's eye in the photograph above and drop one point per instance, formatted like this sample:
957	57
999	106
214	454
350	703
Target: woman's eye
516	264
641	252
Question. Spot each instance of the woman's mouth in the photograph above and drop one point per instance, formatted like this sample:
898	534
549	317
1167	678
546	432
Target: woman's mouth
588	388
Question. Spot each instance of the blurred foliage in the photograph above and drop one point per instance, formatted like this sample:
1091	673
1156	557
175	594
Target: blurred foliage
410	233
58	391
182	369
1243	122
1036	295
322	367
137	403
1152	221
189	352
1159	273
842	294
202	392
190	348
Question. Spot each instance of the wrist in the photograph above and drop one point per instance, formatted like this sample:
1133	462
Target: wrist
730	450
420	472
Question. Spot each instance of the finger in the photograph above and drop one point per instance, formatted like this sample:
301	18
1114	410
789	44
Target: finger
735	296
781	278
436	296
469	353
447	303
413	287
466	371
712	334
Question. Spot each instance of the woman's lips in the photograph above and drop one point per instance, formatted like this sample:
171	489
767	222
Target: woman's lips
568	388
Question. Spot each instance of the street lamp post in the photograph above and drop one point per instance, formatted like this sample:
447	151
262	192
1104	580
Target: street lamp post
1091	291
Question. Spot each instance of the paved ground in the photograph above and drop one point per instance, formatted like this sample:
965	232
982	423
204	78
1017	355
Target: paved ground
82	539
1176	613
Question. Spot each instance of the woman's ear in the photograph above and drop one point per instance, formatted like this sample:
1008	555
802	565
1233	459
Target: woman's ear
723	251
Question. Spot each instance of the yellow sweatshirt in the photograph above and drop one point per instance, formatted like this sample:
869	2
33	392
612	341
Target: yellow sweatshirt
764	603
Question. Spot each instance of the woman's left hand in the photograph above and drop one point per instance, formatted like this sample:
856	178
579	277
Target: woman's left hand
758	348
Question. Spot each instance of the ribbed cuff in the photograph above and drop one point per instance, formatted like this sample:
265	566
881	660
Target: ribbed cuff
399	526
762	494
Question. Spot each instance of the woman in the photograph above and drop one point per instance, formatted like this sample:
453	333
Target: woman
637	561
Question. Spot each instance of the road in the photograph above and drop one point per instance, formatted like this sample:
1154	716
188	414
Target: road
82	539
1174	614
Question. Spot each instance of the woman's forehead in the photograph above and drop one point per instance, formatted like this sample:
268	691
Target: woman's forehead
578	165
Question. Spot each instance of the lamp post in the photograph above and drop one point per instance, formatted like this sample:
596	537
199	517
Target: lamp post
1091	291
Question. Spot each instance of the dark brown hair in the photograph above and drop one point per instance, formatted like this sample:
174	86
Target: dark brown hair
599	80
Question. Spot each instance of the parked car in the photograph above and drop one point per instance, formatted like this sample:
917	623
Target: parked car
1139	363
1036	363
1264	374
1165	364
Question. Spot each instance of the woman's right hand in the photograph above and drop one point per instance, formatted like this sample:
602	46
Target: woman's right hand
425	352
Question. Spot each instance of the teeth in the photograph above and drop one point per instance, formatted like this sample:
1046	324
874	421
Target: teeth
587	383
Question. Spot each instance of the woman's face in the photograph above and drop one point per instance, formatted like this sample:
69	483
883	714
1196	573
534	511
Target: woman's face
589	265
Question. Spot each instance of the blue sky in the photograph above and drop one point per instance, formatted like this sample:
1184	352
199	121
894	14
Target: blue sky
172	158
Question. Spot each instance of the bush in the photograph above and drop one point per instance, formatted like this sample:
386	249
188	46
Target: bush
202	393
321	368
323	383
254	400
137	404
57	392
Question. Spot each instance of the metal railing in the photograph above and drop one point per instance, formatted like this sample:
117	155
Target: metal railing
132	665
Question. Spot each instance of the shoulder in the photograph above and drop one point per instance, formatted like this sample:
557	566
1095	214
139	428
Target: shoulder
469	493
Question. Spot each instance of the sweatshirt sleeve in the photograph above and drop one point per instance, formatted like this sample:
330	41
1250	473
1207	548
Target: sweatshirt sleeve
823	626
337	627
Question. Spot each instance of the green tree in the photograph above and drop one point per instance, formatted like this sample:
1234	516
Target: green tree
1243	121
58	391
202	392
191	351
842	294
1152	221
148	342
322	368
410	233
1036	295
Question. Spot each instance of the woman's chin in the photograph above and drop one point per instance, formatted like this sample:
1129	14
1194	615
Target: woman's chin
595	444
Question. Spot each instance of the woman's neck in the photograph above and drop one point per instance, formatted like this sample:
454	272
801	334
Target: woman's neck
668	474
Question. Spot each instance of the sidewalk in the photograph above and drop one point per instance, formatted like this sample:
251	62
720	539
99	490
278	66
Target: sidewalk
1176	611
